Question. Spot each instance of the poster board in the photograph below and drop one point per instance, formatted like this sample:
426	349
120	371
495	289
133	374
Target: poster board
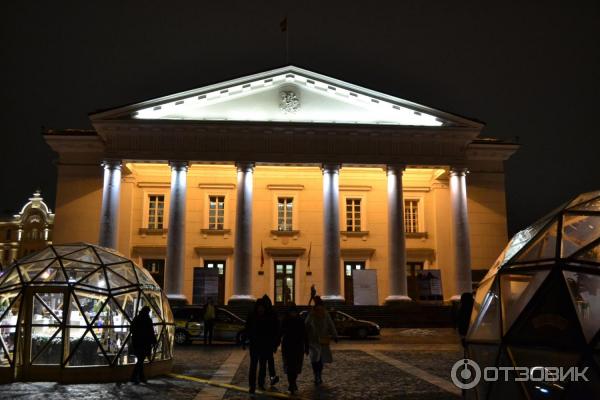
430	285
206	285
365	287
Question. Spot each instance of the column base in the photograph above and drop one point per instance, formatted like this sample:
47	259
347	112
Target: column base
241	299
332	300
456	297
397	298
177	300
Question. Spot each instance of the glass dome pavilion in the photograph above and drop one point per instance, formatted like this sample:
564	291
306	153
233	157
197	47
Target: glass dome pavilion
65	313
539	305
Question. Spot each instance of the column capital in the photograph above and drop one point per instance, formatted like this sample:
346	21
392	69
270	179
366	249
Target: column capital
397	169
245	166
459	170
331	168
111	164
179	165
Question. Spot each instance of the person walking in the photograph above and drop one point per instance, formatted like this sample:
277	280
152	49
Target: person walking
276	338
259	333
142	341
294	344
320	330
313	294
209	321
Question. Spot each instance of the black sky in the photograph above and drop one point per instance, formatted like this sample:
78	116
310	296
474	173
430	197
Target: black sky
528	69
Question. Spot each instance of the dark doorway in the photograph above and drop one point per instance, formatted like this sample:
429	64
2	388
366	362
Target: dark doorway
156	267
285	281
349	268
413	269
220	266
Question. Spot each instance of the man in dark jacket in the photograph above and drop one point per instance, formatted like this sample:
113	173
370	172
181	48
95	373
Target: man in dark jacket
276	337
142	341
258	332
294	344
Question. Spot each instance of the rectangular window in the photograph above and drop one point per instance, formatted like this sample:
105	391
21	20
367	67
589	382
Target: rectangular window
284	213
156	209
411	216
353	217
216	212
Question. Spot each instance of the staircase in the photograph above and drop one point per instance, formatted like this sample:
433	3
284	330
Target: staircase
404	315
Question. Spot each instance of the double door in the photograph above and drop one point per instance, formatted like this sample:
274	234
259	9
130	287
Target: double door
285	282
349	268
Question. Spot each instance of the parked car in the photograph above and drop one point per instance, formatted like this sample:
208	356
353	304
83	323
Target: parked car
347	325
189	325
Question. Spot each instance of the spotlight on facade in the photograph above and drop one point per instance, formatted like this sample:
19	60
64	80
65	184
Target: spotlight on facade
539	307
65	314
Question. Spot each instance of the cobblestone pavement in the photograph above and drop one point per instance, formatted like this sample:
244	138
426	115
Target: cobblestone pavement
354	374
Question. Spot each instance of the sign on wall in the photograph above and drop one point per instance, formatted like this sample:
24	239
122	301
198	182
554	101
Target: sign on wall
365	287
430	285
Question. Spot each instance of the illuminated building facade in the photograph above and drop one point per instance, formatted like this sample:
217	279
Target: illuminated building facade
285	179
26	232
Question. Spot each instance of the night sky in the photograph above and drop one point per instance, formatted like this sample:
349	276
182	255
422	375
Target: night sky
529	71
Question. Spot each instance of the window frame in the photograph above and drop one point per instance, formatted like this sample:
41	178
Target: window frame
218	226
146	207
295	211
285	200
420	199
363	208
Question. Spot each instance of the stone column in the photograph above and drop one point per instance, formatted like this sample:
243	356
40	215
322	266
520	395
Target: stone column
460	230
111	194
175	267
331	234
242	252
396	236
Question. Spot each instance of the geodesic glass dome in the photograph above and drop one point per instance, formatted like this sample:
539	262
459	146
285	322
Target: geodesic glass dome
71	306
539	305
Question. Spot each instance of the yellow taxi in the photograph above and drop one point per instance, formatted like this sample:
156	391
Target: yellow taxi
189	325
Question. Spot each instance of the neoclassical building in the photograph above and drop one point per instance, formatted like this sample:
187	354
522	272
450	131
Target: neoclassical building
27	231
285	179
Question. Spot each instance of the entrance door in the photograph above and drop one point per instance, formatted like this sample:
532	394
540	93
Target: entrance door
220	265
156	267
45	328
285	278
413	269
349	268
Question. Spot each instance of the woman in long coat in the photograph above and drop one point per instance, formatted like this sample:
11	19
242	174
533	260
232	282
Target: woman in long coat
294	344
320	330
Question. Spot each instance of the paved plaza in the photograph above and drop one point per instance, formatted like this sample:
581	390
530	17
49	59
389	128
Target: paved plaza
403	363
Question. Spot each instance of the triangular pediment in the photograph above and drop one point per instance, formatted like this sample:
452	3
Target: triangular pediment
288	94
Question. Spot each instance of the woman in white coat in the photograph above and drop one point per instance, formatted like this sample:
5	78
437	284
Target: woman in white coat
320	330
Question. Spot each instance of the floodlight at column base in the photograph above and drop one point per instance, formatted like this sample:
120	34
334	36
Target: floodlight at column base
241	299
177	299
333	299
456	297
397	298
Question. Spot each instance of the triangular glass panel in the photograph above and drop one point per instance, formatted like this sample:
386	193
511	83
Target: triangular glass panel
30	270
47	308
10	303
91	304
578	231
77	270
86	255
521	239
531	357
543	248
85	351
143	302
548	320
96	280
128	303
506	389
116	281
145	278
167	313
46	345
45	254
11	277
160	343
585	293
108	257
112	315
110	341
125	270
8	335
487	325
516	291
583	198
484	356
155	299
480	295
169	335
591	254
5	356
52	273
64	249
76	317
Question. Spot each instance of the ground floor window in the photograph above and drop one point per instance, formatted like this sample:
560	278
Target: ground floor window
349	268
285	279
220	267
156	267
